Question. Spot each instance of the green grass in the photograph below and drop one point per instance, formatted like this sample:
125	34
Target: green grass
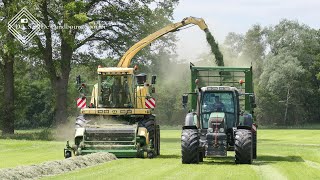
282	154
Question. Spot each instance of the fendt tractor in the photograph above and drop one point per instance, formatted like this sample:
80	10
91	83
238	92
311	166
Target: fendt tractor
119	118
221	118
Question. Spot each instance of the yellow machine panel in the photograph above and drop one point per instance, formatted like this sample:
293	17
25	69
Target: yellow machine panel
115	111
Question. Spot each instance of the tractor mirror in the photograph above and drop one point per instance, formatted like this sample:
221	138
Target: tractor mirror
78	79
184	99
153	79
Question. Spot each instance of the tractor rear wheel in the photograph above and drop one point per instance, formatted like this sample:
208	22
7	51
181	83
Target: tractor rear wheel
201	156
254	145
243	146
189	146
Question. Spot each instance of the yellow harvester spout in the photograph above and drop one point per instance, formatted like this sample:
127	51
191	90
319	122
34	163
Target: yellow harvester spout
127	57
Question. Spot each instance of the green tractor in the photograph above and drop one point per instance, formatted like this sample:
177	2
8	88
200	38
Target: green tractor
221	118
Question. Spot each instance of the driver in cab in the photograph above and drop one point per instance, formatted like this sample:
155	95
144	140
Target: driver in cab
218	106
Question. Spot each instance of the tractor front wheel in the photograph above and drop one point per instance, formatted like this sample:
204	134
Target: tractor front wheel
243	146
189	146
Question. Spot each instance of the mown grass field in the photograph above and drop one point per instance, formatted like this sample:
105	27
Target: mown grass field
282	154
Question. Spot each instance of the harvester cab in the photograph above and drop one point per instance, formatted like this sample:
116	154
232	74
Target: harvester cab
222	115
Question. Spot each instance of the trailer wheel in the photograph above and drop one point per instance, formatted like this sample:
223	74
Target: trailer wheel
189	146
243	146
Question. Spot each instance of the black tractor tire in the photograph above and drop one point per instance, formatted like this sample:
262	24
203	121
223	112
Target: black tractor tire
201	156
243	146
158	140
254	145
190	146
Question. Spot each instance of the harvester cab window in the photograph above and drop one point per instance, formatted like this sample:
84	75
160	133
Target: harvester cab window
115	91
218	102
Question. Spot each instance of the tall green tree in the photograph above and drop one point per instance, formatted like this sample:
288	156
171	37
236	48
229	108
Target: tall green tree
282	81
7	57
301	42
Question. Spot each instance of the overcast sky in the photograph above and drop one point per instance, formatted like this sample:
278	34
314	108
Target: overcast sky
223	16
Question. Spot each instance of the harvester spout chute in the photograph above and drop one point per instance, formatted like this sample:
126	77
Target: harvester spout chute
127	57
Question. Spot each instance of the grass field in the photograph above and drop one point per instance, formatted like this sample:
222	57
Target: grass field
282	154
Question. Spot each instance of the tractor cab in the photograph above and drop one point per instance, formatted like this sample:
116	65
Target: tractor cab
215	102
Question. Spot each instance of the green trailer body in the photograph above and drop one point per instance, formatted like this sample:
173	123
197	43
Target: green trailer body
222	76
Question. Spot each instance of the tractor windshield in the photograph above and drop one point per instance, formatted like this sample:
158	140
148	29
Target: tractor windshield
218	102
115	91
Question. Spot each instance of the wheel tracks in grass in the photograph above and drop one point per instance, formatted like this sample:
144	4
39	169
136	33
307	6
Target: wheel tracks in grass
312	164
293	144
268	172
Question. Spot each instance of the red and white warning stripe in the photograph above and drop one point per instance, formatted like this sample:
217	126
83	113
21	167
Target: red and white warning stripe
254	127
81	103
150	103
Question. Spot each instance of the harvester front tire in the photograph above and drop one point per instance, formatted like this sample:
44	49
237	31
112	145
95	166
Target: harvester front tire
189	146
150	126
243	147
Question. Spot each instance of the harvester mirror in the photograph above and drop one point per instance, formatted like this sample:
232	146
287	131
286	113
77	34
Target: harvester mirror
141	78
184	99
78	79
252	101
153	79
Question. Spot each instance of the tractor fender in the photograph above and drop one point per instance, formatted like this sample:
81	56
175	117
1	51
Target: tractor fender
246	119
190	120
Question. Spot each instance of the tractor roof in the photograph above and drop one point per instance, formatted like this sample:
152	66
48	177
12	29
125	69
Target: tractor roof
219	88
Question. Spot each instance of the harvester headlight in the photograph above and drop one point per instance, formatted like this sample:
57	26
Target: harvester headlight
221	130
210	130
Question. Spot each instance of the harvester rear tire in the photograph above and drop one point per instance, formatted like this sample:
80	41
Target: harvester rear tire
243	147
190	146
158	140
